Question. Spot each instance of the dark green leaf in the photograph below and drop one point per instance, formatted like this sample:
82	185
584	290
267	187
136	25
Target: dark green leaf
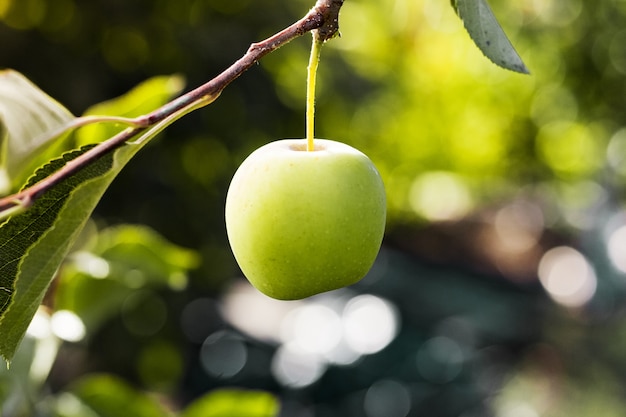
487	34
34	243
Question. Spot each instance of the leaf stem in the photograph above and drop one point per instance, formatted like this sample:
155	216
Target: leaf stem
314	59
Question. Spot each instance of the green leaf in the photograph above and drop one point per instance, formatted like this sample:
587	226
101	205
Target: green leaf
139	247
109	396
34	243
27	114
231	402
97	279
145	97
487	34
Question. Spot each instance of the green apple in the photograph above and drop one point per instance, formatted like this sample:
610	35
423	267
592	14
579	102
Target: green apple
304	222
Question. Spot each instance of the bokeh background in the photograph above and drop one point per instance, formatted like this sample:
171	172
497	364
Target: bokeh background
499	290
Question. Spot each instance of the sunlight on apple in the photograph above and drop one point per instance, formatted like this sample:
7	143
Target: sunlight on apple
67	326
440	196
567	276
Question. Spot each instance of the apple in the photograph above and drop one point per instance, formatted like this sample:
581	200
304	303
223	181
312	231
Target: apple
304	222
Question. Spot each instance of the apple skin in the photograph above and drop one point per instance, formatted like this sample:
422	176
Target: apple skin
304	222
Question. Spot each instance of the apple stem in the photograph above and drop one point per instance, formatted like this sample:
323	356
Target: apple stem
314	59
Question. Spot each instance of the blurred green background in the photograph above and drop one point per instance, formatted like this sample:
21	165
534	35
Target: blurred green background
500	288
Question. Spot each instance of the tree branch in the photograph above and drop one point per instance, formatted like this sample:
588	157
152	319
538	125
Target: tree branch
322	19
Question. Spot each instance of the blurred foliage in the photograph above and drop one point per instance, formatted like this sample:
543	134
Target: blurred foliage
103	277
225	403
504	257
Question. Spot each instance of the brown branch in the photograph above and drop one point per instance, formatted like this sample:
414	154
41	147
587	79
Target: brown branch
322	19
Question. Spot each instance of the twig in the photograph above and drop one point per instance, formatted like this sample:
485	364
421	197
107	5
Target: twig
323	18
